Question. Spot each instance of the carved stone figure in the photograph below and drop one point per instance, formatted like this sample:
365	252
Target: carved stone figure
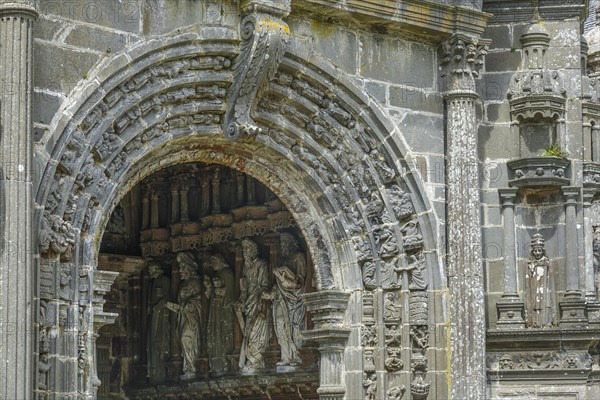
415	268
396	393
540	290
189	313
370	385
288	309
254	308
159	332
221	315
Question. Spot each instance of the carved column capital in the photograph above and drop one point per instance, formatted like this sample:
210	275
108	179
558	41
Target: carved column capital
507	196
462	60
21	9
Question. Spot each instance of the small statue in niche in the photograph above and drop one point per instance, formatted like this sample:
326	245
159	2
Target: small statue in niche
253	309
159	337
221	315
189	313
288	308
540	288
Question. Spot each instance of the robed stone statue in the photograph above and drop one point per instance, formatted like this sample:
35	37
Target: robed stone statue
159	332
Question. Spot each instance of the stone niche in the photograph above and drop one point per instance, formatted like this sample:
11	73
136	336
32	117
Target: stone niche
201	315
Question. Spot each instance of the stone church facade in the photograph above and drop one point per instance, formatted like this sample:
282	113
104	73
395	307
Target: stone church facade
311	199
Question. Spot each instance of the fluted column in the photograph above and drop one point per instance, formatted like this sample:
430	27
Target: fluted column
462	58
16	246
510	307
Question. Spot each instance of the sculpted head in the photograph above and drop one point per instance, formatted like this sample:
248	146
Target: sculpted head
288	244
188	267
154	269
249	249
538	249
217	262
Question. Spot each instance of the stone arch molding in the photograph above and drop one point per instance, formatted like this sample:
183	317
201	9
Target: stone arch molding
330	154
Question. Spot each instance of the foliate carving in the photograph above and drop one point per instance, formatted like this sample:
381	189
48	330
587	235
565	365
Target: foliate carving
265	37
369	274
539	361
463	58
56	236
369	336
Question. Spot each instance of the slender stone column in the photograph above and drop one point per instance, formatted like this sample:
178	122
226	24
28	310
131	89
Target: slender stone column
462	58
174	203
588	239
327	309
216	188
205	202
572	309
510	307
17	331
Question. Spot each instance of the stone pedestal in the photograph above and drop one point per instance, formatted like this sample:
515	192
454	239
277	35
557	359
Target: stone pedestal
327	309
17	329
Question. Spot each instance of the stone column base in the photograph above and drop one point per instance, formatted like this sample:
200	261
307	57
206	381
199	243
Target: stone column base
510	314
573	311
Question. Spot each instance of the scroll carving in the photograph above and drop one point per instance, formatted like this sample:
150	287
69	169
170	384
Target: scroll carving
265	37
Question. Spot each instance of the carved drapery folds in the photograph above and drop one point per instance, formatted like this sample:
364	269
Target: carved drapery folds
264	40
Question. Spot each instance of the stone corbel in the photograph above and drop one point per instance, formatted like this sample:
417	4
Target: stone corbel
264	40
327	309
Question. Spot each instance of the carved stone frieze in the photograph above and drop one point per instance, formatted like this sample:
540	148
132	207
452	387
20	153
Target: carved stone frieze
539	361
539	171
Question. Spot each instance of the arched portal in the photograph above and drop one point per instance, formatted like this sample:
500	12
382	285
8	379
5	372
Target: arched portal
323	148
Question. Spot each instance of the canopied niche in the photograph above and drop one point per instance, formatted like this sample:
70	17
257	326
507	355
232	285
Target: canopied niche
212	269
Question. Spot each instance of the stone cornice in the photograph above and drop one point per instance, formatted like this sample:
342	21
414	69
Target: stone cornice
507	11
416	17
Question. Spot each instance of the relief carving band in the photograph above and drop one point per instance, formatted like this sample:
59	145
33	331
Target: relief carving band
288	308
253	310
159	337
540	286
221	314
189	313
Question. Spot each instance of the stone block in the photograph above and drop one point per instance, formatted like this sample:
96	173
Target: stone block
338	45
494	86
493	242
499	61
376	90
563	58
497	142
162	16
423	133
119	15
495	276
45	106
62	68
46	28
415	99
493	216
498	112
397	61
500	35
96	39
526	216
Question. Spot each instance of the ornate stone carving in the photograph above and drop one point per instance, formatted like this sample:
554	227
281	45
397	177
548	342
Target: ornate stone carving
252	310
264	40
370	385
369	274
539	361
462	58
420	338
596	260
411	237
419	308
396	393
221	314
159	332
401	202
540	304
418	387
64	283
415	268
393	342
56	236
392	309
386	241
189	313
288	309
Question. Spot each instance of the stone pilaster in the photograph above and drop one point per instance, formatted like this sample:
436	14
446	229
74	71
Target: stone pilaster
327	309
572	309
462	57
17	330
510	307
588	238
